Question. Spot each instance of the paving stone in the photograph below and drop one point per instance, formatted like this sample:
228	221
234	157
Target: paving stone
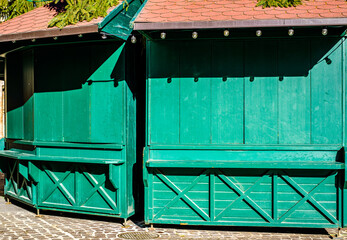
19	222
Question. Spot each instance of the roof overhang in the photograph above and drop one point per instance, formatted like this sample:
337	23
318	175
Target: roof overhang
115	24
143	26
53	32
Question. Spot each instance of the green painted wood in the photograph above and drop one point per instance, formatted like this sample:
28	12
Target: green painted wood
195	94
164	128
118	22
343	188
250	142
22	155
14	93
18	186
195	110
244	164
227	110
78	143
294	92
326	90
241	201
319	147
244	155
261	95
70	145
28	92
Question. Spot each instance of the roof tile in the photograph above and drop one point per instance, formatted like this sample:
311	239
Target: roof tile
229	10
37	20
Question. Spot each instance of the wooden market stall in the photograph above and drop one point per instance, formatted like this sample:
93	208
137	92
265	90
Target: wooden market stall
246	114
71	113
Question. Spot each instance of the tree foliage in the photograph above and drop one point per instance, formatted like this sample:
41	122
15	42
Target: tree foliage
68	11
12	8
80	10
278	3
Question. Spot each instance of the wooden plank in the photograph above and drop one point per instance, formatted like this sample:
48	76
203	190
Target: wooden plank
212	196
227	89
164	111
244	165
261	93
315	147
227	110
195	110
294	92
326	84
28	94
244	155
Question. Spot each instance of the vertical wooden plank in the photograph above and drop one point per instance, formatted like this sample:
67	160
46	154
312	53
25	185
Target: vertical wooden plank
261	92
326	90
195	90
343	191
195	111
227	110
212	195
48	103
107	97
227	92
294	91
274	196
14	96
28	94
163	93
164	111
76	95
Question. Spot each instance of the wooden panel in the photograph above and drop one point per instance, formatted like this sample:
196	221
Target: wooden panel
28	91
164	110
294	92
107	97
261	95
195	107
261	111
227	110
14	95
237	197
164	59
195	92
326	83
48	95
227	91
195	59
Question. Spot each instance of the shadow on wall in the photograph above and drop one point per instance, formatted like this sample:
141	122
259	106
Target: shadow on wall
236	58
75	86
60	68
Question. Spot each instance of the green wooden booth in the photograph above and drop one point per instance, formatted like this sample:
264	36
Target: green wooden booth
71	120
245	130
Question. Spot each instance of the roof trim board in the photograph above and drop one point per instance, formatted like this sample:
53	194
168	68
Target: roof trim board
143	26
54	32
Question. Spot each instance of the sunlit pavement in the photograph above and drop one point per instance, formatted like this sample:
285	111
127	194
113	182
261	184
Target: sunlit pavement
20	222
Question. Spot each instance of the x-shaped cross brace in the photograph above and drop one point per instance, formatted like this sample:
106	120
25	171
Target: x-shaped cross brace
181	194
306	197
97	187
12	171
21	190
243	196
58	183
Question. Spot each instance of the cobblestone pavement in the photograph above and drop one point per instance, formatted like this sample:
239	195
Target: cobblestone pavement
20	222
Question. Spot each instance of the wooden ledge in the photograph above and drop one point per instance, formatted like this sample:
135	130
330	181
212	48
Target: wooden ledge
245	164
21	155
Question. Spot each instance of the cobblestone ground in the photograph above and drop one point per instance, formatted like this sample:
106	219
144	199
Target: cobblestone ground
20	222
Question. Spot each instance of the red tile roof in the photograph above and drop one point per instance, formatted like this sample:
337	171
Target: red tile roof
35	20
170	11
35	24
